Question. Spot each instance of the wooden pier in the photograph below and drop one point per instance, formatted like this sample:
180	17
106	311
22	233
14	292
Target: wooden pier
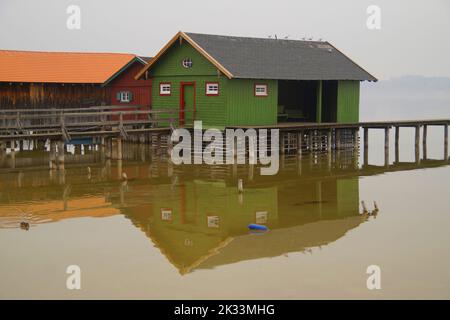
301	137
109	126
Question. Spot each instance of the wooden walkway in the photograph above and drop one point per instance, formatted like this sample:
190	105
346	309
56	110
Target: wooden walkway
138	124
301	136
349	125
66	124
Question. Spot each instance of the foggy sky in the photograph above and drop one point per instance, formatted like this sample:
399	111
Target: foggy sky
413	40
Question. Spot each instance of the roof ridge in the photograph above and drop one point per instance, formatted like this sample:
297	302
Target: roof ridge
257	38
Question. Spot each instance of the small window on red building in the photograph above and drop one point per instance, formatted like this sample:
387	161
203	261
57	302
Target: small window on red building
261	90
212	88
165	89
124	96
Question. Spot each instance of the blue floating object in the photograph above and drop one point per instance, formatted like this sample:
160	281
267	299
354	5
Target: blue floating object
254	226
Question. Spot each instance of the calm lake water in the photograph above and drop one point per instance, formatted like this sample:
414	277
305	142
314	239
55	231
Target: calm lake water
174	232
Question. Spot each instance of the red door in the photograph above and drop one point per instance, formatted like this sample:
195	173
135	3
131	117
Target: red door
187	101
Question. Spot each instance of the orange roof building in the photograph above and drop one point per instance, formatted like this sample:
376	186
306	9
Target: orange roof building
64	79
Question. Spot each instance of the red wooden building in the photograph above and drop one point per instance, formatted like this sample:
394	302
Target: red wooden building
127	91
40	80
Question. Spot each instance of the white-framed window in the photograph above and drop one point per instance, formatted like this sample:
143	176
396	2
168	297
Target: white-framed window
187	63
261	90
165	89
213	221
212	88
125	96
166	214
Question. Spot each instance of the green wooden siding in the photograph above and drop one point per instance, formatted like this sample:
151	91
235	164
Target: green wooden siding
246	109
170	63
348	101
210	109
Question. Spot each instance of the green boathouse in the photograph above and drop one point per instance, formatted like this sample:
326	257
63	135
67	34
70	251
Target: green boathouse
229	81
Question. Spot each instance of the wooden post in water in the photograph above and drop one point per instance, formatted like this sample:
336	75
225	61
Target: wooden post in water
356	139
12	155
282	142
416	145
108	148
169	144
366	146
337	139
52	162
299	144
397	138
329	142
424	141
386	146
61	155
116	151
446	142
299	166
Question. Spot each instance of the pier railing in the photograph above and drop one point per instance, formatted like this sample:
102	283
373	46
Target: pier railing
28	122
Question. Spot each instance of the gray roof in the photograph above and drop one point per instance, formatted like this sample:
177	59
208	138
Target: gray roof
146	59
257	58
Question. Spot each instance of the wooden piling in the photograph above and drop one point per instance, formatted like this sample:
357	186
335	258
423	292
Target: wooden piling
397	149
240	186
310	141
356	139
424	141
337	134
446	142
386	146
416	144
52	159
366	146
299	143
282	142
329	141
61	155
117	151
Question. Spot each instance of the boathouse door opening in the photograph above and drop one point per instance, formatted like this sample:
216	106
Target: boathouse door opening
297	101
329	101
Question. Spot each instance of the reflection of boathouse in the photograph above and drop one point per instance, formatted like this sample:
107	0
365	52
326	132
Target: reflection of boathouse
204	224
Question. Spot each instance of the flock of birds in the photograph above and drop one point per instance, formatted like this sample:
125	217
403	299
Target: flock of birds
287	38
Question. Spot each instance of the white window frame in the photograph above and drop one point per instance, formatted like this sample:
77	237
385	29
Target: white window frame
125	96
165	89
261	90
211	91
